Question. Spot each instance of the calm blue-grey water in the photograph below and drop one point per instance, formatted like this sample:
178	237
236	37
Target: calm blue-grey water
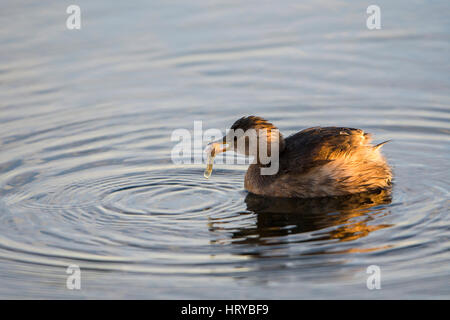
86	175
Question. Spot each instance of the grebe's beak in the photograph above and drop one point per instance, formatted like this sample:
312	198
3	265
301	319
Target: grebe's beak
218	146
213	149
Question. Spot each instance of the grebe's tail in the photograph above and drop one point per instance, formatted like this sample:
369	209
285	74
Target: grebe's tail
378	146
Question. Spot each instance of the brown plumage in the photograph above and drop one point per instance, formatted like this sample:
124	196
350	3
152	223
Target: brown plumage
318	162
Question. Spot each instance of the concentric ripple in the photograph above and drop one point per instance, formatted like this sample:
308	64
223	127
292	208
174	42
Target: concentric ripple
180	192
87	177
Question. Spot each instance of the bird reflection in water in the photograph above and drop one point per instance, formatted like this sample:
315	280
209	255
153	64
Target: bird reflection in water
353	216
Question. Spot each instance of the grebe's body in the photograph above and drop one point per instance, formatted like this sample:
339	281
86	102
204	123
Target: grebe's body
316	162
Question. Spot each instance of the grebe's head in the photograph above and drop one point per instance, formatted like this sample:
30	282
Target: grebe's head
251	136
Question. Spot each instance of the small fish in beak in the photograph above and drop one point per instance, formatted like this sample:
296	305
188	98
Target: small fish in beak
213	149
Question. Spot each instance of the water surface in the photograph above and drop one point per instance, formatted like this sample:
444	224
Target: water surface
86	175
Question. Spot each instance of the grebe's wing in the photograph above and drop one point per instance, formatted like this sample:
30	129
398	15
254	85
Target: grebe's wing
317	146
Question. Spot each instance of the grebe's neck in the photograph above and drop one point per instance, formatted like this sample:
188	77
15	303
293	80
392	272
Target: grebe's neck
255	182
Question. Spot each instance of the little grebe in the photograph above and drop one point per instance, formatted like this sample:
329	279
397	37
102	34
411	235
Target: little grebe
315	162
